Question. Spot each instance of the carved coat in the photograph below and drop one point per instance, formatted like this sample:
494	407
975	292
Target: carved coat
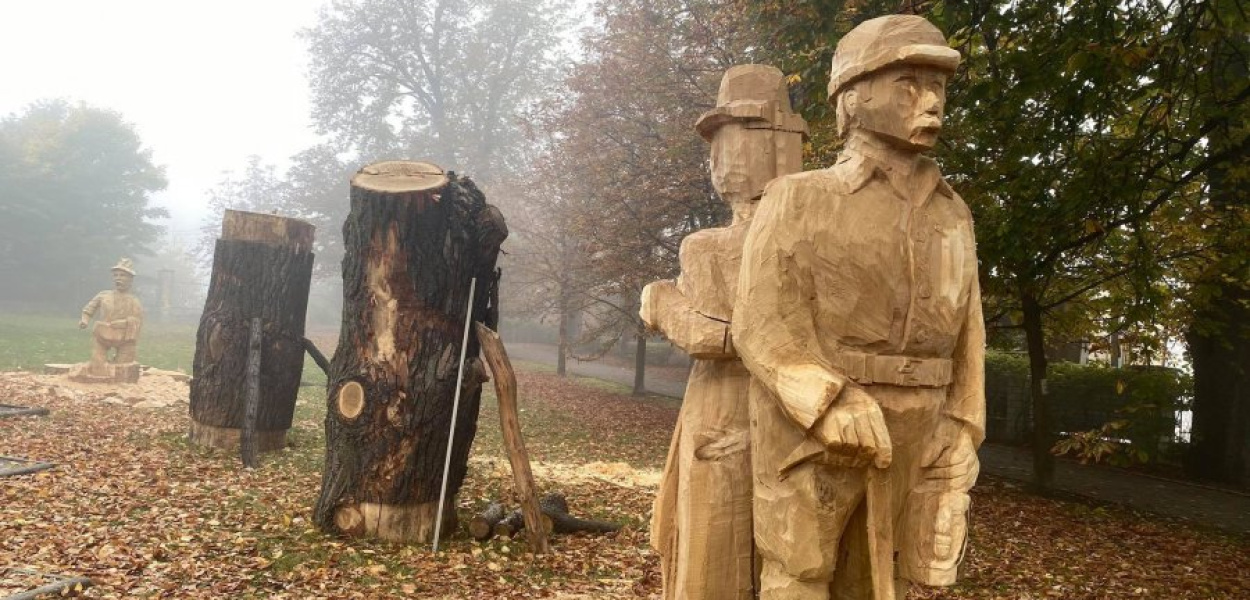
119	316
701	525
847	279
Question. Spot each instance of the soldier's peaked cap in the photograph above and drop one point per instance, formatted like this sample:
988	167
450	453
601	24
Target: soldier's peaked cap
887	41
756	95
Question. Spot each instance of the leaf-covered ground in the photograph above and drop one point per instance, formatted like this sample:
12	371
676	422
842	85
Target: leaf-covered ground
134	508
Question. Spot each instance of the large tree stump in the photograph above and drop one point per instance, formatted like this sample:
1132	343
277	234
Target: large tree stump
262	267
414	239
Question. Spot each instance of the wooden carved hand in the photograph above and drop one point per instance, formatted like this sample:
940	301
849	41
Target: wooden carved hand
854	429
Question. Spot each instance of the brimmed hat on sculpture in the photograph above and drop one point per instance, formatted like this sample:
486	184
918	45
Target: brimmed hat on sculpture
887	41
755	95
126	265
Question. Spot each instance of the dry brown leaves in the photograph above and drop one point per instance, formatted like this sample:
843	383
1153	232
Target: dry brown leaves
143	515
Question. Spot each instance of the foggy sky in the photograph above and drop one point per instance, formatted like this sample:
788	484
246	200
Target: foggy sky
205	84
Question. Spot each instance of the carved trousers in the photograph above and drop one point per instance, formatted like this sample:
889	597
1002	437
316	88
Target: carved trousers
810	522
127	352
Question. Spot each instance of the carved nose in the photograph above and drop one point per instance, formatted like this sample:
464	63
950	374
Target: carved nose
931	104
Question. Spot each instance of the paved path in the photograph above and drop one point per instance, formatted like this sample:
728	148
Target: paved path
1206	506
545	354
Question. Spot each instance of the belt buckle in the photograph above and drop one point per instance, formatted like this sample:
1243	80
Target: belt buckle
908	369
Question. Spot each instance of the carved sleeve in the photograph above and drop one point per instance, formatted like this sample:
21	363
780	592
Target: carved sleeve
667	309
772	325
93	305
966	396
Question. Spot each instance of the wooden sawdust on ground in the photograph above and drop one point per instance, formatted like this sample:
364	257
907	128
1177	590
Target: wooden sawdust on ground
617	473
155	389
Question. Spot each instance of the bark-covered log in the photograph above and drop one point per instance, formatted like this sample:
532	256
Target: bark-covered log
514	523
482	526
262	267
556	507
413	240
556	519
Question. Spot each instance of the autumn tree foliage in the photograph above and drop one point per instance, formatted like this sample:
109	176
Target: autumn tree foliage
440	80
76	187
629	174
313	187
1081	135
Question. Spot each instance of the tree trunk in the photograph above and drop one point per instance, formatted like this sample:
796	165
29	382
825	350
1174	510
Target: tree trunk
1219	333
262	267
1043	437
563	341
413	240
1221	412
640	361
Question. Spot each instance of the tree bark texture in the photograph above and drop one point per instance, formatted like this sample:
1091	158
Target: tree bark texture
413	240
1043	436
262	268
640	361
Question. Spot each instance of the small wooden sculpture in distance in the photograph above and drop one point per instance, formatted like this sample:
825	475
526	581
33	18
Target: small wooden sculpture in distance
119	317
859	318
702	520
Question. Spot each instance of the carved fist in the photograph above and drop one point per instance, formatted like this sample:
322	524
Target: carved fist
951	459
854	429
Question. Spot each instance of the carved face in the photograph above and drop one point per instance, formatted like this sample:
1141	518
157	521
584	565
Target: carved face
902	105
122	280
743	161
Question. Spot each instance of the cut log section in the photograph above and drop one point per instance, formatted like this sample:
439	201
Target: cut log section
413	240
262	267
482	526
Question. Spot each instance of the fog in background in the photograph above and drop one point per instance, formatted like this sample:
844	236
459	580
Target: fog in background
199	101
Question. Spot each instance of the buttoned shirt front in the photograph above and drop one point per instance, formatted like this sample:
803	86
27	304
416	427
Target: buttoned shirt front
843	260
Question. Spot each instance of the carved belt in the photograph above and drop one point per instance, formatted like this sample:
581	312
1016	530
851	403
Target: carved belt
886	369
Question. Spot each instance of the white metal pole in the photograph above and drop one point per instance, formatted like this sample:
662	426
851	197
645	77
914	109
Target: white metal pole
455	409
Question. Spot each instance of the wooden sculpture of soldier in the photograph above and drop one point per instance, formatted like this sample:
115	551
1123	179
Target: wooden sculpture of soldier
119	317
702	520
859	318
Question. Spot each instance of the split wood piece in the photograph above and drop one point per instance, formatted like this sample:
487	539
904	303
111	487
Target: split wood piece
413	239
509	420
262	267
247	446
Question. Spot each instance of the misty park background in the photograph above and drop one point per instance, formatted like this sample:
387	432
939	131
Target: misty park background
1101	146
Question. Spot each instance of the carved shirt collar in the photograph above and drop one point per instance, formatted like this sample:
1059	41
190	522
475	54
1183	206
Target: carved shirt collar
862	161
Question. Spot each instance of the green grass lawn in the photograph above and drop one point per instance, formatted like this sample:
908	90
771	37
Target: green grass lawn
27	342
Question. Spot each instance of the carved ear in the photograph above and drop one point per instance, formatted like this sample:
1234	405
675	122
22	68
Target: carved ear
847	103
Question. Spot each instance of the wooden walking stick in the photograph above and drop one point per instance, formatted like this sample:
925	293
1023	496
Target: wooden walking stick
880	534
